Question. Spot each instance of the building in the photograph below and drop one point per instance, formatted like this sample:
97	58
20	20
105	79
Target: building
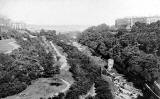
127	23
153	19
18	26
6	24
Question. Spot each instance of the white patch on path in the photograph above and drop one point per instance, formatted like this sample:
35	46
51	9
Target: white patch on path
68	86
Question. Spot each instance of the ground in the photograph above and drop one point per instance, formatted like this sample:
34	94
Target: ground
41	88
7	45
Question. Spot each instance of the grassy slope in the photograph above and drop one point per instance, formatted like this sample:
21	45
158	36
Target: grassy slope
5	45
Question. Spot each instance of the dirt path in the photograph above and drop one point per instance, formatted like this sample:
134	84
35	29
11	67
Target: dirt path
64	67
68	85
63	60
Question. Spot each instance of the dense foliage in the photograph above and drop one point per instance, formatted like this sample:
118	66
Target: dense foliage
25	64
50	35
136	53
85	74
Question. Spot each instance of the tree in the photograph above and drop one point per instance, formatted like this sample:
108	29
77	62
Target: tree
25	64
136	53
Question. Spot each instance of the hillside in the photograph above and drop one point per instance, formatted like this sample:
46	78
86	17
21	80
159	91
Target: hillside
135	53
47	65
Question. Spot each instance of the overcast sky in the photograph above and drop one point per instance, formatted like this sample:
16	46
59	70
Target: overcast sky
76	12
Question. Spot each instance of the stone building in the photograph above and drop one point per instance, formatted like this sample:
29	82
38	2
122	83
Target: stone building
18	26
127	23
6	24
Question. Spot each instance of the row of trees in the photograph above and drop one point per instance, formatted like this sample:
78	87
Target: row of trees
136	53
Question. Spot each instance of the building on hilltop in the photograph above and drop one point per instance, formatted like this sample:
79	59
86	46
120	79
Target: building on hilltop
127	23
18	26
6	24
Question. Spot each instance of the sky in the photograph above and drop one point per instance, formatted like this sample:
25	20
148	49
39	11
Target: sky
76	12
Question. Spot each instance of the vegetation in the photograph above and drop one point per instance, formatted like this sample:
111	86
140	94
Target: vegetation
136	53
85	73
25	64
32	61
50	35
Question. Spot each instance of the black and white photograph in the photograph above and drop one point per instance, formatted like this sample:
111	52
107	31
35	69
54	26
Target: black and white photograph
79	49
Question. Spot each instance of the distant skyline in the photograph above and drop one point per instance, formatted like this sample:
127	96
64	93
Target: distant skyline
76	12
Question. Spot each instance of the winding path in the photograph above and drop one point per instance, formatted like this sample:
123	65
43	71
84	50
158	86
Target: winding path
68	85
62	59
64	65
